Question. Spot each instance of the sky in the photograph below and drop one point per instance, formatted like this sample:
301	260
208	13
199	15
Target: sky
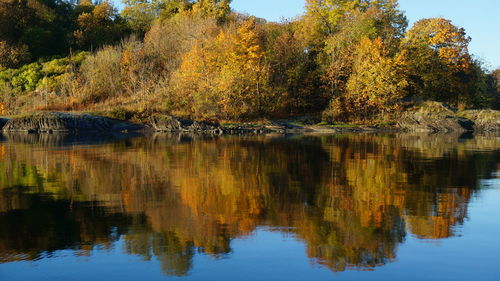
480	18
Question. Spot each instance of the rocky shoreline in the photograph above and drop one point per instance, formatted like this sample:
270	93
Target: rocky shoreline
428	118
62	122
434	117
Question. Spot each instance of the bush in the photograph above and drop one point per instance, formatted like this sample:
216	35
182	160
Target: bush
100	75
28	77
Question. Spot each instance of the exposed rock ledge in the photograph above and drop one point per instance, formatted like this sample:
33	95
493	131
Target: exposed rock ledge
167	123
428	117
435	117
67	122
484	120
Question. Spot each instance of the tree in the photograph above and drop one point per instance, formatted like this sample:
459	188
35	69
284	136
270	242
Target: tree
292	74
496	89
100	26
140	14
377	81
245	74
218	9
326	17
496	76
225	76
334	29
438	61
37	27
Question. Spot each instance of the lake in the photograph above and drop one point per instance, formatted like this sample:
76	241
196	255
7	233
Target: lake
180	207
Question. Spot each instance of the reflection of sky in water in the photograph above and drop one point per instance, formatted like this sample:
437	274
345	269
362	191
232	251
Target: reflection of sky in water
275	255
272	255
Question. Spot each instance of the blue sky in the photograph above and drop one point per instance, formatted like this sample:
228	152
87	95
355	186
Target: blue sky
480	18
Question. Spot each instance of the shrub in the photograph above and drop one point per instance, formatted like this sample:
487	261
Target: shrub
100	76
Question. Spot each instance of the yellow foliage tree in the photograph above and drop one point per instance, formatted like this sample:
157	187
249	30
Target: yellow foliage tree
438	60
224	77
377	81
218	9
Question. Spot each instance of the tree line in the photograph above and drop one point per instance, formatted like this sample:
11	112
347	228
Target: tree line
345	60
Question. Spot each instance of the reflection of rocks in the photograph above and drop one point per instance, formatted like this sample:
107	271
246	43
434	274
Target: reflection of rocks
64	138
67	122
433	117
484	120
437	146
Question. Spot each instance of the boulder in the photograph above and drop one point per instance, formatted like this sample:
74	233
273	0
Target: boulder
484	120
66	122
433	117
167	123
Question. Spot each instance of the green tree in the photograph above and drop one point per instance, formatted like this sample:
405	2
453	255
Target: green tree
140	14
292	74
326	17
40	26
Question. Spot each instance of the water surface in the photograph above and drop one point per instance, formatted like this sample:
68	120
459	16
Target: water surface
343	207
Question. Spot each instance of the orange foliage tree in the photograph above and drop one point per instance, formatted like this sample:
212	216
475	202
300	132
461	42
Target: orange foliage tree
225	76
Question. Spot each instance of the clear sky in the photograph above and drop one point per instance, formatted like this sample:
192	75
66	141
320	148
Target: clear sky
480	18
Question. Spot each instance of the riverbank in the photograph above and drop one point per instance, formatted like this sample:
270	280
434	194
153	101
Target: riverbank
430	117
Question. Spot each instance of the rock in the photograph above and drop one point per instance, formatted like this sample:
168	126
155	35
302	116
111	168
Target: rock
484	120
197	126
167	123
50	122
433	117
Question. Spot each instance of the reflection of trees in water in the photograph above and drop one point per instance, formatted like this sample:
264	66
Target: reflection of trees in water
351	199
39	226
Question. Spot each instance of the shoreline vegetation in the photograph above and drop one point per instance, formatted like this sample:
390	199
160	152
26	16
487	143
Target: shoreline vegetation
342	66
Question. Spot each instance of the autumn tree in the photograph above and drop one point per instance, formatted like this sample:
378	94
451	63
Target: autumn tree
99	26
377	81
245	74
218	9
338	56
140	14
226	76
323	17
438	61
292	74
326	17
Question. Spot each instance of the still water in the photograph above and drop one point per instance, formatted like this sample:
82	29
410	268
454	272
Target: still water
342	207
